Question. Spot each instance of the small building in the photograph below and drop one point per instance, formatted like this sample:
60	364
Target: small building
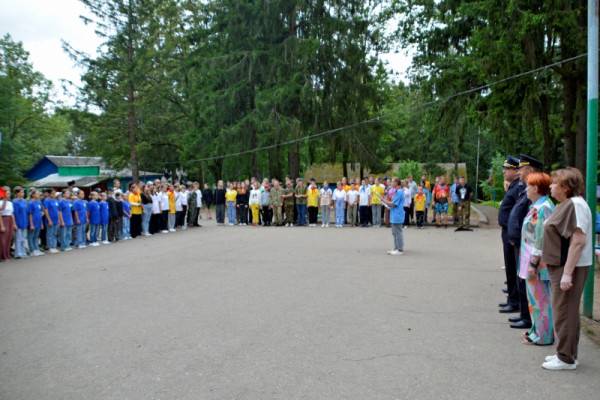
87	173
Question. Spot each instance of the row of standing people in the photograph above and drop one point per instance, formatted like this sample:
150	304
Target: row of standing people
62	220
547	244
355	203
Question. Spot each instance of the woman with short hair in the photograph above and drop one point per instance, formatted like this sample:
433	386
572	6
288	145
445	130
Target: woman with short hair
567	250
534	272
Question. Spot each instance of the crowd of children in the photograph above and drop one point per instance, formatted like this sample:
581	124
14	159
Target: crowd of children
62	220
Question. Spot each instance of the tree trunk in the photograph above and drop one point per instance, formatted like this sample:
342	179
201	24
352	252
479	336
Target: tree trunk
546	131
294	160
131	119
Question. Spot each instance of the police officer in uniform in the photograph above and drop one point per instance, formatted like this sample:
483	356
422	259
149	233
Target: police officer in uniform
510	171
527	165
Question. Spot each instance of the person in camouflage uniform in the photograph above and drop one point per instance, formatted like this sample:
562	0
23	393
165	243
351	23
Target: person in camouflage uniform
288	203
275	202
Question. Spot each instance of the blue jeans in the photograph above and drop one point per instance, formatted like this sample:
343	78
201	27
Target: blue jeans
339	213
301	210
80	235
125	233
104	232
51	236
20	240
33	238
65	237
94	233
231	212
146	218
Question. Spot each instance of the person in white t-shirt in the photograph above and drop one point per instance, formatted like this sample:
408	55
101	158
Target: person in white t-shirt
198	199
568	253
364	203
156	218
164	209
352	196
184	204
339	199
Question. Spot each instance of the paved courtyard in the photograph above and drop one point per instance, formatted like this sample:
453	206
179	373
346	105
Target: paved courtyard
279	313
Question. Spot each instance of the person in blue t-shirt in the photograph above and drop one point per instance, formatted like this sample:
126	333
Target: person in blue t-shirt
35	214
66	220
20	213
125	234
104	218
80	214
51	211
396	217
94	218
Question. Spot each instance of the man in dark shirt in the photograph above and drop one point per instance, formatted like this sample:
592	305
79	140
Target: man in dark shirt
527	165
511	177
463	192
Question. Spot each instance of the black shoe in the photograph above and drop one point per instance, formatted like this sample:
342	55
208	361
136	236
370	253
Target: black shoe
514	319
502	305
508	310
505	291
522	324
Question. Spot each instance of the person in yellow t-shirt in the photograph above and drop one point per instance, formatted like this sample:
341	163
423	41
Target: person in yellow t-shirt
312	201
230	199
420	201
135	201
377	191
172	208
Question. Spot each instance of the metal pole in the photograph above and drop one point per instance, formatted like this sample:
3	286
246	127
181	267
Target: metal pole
592	141
477	167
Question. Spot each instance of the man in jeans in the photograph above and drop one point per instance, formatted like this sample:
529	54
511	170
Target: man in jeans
396	206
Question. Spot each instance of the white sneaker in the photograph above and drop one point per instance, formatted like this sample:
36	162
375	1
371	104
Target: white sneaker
556	364
105	242
37	253
53	251
172	230
81	246
391	251
165	231
395	253
68	249
94	244
554	356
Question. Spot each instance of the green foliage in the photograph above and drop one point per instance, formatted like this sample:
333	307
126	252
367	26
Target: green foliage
493	186
409	168
29	130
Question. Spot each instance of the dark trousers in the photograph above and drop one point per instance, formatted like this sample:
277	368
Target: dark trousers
220	213
242	213
510	268
179	218
115	227
363	215
522	290
412	211
267	215
164	220
369	215
135	225
313	212
420	218
155	223
406	216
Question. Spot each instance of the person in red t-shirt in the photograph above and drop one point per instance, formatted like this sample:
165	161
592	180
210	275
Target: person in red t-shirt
441	197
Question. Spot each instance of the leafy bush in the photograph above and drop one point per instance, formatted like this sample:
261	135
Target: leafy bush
409	167
493	187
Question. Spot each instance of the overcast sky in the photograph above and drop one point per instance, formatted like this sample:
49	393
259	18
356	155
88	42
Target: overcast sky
42	24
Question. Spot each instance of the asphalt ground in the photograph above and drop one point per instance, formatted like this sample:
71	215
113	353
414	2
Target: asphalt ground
273	313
